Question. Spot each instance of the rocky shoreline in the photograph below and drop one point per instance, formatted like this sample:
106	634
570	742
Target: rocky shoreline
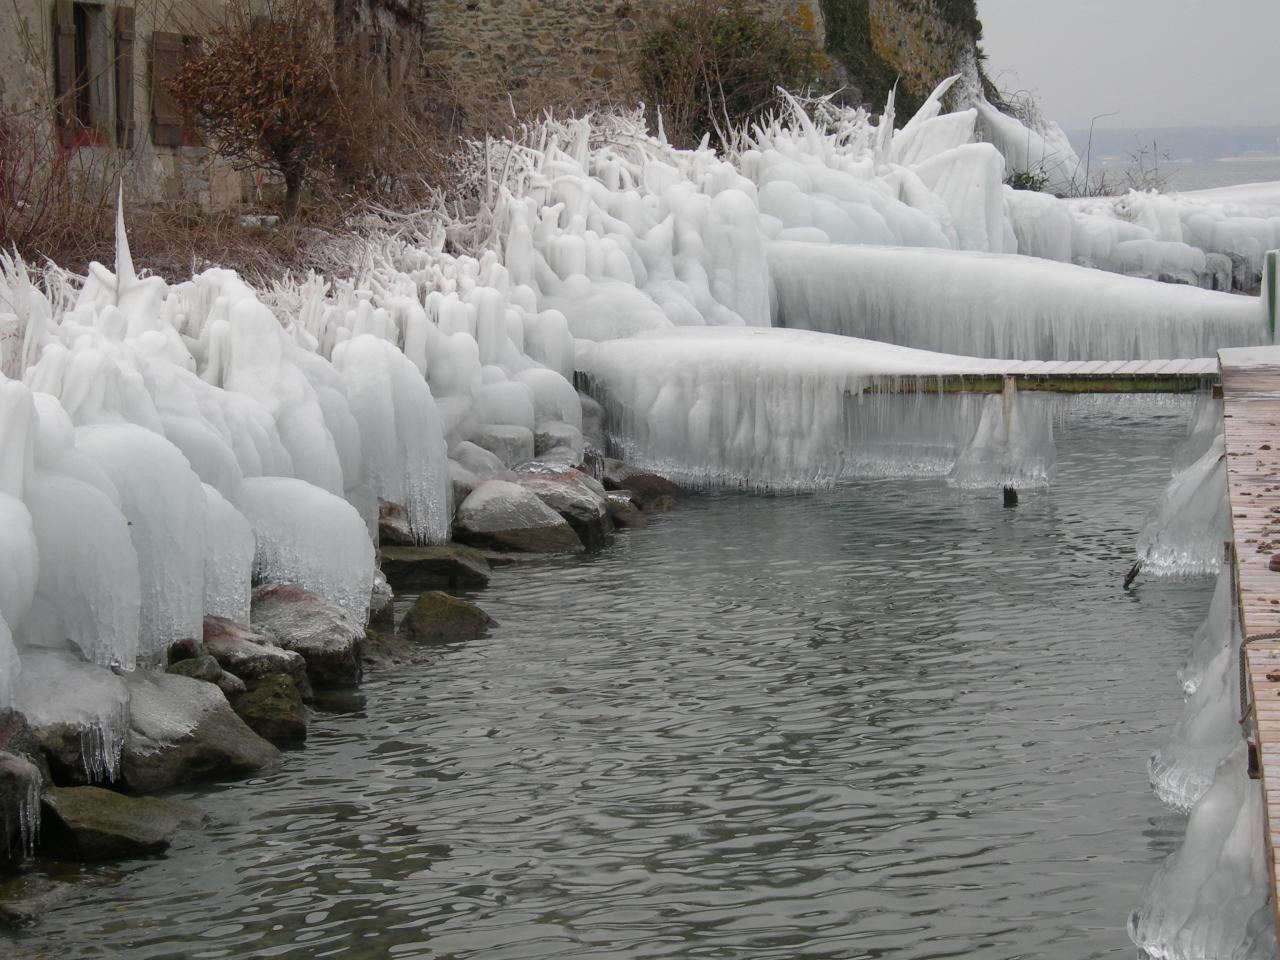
226	704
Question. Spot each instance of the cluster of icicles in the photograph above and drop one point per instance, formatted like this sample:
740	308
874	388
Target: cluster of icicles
164	445
1211	899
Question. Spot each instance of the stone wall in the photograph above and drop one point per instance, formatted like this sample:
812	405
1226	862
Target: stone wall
558	51
921	43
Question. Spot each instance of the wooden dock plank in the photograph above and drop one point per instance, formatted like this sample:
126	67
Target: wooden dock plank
1251	421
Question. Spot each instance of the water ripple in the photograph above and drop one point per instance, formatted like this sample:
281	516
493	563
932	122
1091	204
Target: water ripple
891	720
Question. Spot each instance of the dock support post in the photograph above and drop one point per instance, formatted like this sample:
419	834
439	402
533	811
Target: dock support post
1270	291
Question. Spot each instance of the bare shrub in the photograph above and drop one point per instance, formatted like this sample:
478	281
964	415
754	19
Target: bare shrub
712	68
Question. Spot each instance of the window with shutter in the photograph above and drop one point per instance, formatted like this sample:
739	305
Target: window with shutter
166	61
64	68
124	77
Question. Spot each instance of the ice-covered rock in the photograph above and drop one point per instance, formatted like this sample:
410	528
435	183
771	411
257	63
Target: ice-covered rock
251	656
325	635
182	730
575	496
77	712
20	784
505	516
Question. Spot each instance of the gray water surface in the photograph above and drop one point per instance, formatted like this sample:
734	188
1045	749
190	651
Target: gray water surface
890	720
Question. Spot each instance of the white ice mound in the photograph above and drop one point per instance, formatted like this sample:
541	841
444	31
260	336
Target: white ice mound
165	505
1211	898
228	584
980	304
402	435
309	537
1192	520
779	409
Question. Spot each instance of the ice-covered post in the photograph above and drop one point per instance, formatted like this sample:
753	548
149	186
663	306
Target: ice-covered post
1270	294
1009	394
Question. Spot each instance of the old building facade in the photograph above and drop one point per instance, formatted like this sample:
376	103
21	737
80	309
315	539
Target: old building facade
91	74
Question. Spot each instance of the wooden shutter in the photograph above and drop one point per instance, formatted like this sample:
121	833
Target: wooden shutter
166	61
124	77
64	68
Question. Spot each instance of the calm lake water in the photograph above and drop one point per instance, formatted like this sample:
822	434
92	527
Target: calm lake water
1195	174
890	720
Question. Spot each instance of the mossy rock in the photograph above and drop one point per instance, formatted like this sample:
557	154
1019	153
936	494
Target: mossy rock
273	709
437	617
89	823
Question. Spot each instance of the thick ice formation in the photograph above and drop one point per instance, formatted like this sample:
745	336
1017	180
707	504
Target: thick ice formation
228	569
1011	447
981	304
1192	520
1183	769
310	537
1211	898
790	409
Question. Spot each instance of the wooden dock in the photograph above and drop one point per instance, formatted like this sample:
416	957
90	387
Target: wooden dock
1251	413
1062	376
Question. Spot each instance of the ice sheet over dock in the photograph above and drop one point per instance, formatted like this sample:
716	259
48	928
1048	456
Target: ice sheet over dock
786	409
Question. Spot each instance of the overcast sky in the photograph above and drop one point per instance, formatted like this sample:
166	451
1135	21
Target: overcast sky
1160	63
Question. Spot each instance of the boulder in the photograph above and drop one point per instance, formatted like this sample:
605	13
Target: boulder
273	709
505	516
554	460
203	667
437	617
19	805
384	648
252	656
623	511
479	462
649	491
76	716
27	897
393	525
510	443
579	499
182	730
186	649
451	566
551	434
462	480
90	823
230	685
328	640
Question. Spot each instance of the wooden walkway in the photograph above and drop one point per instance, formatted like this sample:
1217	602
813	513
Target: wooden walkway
1251	412
1062	376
